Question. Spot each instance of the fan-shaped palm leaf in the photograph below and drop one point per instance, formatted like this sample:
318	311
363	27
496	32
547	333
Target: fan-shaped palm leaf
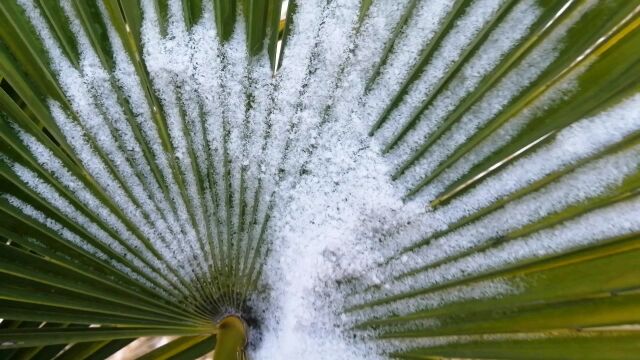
411	179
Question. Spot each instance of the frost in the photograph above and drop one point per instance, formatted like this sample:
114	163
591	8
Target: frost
189	166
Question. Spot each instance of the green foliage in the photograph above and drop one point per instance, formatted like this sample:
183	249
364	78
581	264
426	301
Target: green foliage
51	291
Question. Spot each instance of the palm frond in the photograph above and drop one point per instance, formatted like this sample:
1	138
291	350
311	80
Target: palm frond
410	179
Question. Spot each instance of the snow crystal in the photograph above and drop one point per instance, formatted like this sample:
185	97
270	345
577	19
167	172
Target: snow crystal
198	167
